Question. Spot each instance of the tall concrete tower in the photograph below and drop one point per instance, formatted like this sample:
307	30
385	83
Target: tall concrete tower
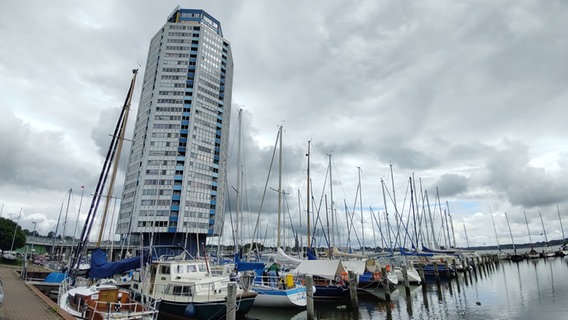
175	182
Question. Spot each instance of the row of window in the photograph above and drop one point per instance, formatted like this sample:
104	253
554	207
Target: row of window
177	26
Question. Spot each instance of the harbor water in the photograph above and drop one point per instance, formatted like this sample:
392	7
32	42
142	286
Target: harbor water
530	289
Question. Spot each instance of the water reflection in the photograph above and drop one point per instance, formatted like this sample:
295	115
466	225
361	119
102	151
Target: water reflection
525	290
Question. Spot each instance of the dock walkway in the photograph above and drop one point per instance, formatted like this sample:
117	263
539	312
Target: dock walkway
24	302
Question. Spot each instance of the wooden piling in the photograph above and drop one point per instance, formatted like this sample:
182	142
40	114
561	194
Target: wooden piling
457	275
353	290
231	301
436	273
386	285
422	278
406	282
464	267
310	297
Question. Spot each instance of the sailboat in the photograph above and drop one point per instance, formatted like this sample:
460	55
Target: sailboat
547	253
103	299
515	256
283	290
532	254
501	255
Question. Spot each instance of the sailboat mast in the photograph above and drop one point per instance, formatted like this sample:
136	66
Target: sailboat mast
78	214
543	229
494	229
396	217
78	251
560	219
528	230
423	217
466	238
65	221
511	233
451	223
333	218
239	182
16	229
414	238
308	196
279	186
361	209
117	156
386	215
434	240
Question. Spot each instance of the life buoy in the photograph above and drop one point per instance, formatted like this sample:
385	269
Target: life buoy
376	275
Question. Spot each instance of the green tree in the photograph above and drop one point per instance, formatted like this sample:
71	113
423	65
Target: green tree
7	228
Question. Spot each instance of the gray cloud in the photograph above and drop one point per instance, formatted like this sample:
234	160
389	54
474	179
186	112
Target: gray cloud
465	96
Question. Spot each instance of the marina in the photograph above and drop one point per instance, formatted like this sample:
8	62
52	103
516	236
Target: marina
495	289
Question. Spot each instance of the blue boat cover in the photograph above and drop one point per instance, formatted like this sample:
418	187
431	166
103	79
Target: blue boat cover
100	268
311	255
55	277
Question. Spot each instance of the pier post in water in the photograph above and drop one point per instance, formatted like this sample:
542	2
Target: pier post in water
353	290
310	297
464	267
436	273
386	285
422	277
406	282
457	275
231	301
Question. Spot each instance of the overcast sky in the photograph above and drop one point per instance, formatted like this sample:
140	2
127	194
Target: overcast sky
465	96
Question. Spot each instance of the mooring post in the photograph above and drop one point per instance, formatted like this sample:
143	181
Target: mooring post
436	273
457	275
231	301
310	297
422	278
464	267
353	290
405	277
386	285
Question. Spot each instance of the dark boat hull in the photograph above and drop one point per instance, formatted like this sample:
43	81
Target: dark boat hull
331	292
213	310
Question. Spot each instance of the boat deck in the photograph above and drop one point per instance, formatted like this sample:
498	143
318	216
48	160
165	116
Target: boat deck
24	302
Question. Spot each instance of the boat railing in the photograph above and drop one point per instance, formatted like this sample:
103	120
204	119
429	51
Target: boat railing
120	310
281	281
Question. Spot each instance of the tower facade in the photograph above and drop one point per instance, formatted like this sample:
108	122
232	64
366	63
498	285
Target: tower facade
175	182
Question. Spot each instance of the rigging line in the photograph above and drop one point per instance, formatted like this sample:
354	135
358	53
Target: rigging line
319	219
351	225
377	222
255	232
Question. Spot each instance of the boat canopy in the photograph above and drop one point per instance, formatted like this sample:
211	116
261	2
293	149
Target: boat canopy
328	269
284	259
100	268
357	266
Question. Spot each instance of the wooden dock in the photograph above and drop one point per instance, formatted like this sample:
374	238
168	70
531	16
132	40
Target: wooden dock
23	301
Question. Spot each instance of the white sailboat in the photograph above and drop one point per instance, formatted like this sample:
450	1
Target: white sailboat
501	255
285	290
532	254
547	253
11	255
